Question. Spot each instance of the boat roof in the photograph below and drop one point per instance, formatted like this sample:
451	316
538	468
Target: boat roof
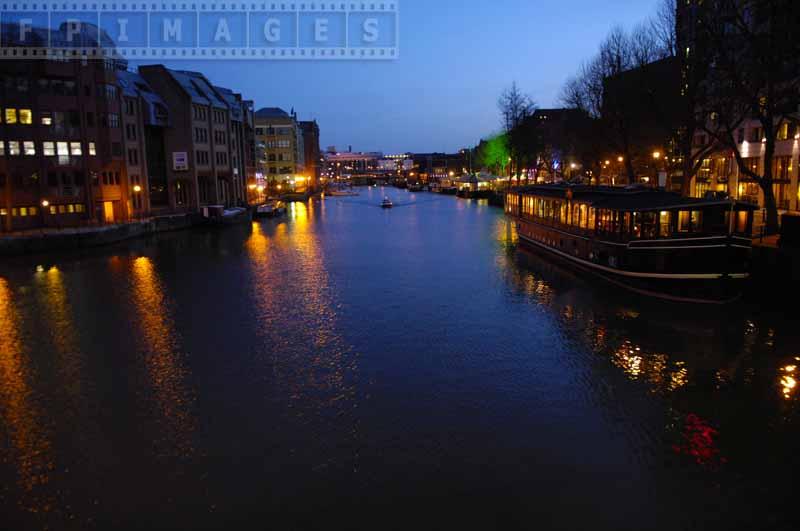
631	198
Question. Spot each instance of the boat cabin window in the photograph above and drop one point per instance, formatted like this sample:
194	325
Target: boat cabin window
664	226
645	225
690	221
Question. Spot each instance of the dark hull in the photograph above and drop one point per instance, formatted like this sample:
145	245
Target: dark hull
226	221
716	274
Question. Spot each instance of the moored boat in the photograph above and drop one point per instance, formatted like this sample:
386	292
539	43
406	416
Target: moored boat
270	209
219	216
342	192
387	203
647	240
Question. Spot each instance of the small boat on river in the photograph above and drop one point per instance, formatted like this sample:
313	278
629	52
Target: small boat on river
387	203
270	209
219	216
647	240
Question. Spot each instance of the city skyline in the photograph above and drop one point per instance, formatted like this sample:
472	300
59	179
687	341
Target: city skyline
456	73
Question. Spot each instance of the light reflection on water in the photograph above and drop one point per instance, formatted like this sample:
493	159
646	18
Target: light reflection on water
31	451
172	399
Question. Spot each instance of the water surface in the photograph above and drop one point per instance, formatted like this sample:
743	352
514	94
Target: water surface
351	367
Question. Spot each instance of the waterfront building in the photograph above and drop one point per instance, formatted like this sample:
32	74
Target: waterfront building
144	118
565	137
198	149
62	146
242	142
353	164
281	148
640	118
719	172
431	167
313	155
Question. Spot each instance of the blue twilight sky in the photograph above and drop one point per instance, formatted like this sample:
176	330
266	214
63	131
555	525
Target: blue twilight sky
456	56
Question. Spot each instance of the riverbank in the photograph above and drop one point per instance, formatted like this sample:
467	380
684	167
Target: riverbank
71	239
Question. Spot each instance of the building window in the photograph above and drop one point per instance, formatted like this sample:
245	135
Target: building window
49	149
92	149
116	149
133	157
783	131
782	168
25	117
13	148
75	149
29	148
11	116
2	149
46	118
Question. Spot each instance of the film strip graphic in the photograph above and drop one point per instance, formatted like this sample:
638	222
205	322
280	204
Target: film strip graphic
210	30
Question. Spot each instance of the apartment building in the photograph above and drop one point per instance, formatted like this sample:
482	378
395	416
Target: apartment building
280	145
720	171
197	146
62	155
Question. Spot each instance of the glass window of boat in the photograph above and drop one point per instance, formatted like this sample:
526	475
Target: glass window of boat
664	226
576	216
690	221
625	225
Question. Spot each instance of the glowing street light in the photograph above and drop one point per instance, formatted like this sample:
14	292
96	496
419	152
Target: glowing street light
137	189
45	203
656	155
620	158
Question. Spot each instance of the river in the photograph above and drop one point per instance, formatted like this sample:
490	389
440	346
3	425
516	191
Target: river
347	366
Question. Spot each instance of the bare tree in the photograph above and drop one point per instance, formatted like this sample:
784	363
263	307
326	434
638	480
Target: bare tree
663	28
515	109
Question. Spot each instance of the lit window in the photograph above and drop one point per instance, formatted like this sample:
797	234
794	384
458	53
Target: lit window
25	116
3	212
49	149
92	149
32	211
62	148
62	209
75	148
23	212
29	147
53	209
13	148
47	118
79	208
70	209
2	149
11	116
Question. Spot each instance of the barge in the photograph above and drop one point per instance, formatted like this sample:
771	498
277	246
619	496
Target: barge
647	240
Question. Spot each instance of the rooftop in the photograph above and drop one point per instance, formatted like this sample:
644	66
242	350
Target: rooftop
631	198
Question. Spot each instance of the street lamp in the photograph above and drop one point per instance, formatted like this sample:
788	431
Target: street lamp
45	203
138	190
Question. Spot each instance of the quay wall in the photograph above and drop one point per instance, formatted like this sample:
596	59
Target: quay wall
48	241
